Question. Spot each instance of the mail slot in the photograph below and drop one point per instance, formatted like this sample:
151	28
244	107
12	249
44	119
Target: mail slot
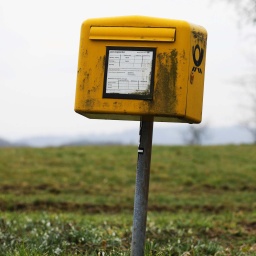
132	34
136	67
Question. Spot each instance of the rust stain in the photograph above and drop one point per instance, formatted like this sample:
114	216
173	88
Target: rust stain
103	62
105	105
85	80
165	91
199	37
117	105
174	67
84	53
183	57
89	103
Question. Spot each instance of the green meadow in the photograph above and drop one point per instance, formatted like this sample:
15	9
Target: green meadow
79	200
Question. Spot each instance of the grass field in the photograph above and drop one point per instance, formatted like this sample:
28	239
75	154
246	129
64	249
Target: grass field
79	200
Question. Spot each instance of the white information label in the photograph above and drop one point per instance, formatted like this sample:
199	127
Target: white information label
129	72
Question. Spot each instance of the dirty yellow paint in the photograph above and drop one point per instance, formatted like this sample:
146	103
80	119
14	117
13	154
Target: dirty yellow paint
178	74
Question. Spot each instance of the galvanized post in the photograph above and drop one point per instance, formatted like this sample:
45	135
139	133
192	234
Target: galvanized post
141	188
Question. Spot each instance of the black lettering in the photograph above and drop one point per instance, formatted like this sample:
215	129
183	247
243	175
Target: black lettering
198	60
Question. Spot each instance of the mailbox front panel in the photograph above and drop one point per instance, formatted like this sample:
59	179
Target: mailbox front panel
135	66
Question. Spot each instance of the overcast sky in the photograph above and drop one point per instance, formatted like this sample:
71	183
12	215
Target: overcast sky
39	42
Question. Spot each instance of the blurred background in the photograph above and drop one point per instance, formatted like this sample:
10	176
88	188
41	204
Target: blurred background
39	42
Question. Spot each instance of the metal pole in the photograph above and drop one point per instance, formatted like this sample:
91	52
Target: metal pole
141	188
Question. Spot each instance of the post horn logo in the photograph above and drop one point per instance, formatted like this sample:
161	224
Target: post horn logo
198	56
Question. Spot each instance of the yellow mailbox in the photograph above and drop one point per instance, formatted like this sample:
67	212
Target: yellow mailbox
135	66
